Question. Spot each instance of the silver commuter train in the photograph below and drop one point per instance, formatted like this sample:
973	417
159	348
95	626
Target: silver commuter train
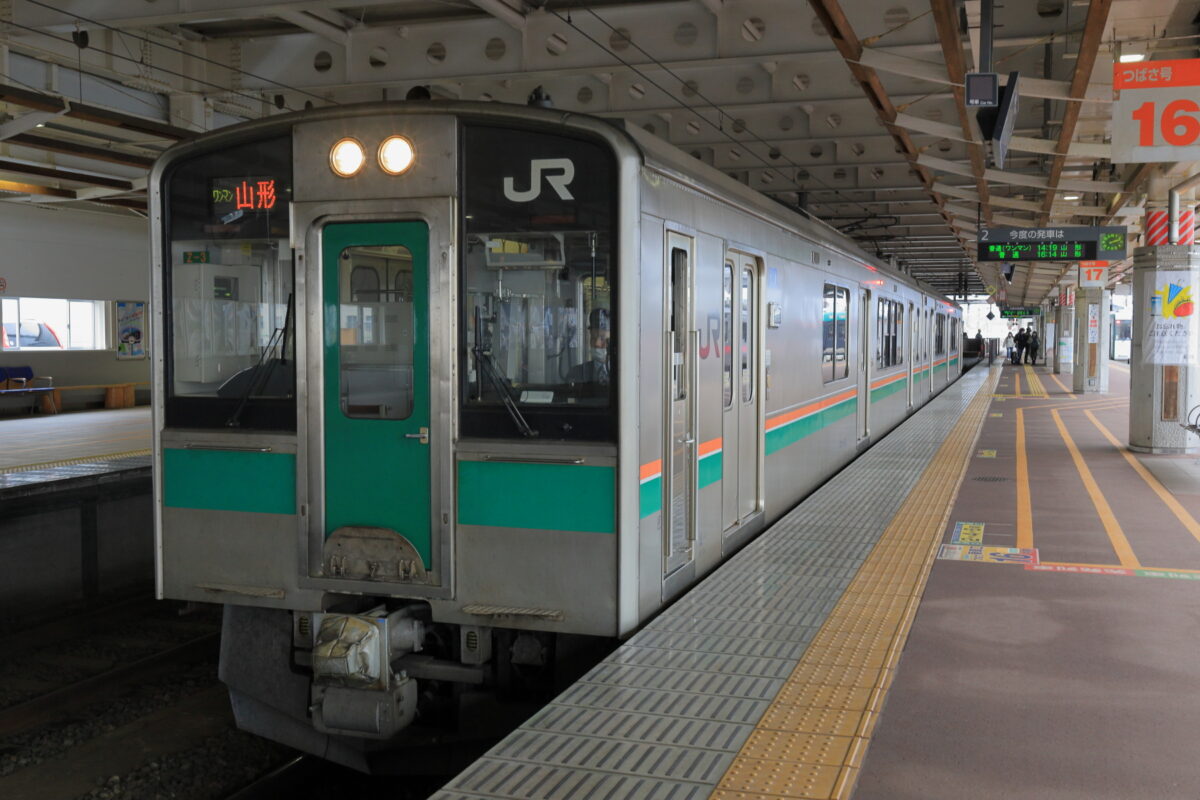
446	391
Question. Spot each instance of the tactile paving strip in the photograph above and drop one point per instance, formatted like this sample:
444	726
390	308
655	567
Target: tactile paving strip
766	679
73	468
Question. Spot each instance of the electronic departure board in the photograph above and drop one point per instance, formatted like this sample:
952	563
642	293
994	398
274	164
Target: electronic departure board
1037	251
1053	244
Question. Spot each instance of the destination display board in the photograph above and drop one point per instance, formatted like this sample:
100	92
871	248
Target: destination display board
1053	244
1020	312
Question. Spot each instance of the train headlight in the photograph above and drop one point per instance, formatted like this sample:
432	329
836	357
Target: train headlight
396	155
347	157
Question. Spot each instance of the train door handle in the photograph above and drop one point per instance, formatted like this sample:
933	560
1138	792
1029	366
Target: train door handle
423	436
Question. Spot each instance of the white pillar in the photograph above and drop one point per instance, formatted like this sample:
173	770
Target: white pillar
1064	347
1164	370
1089	368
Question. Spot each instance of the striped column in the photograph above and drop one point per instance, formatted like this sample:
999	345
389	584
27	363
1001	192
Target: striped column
1187	225
1158	227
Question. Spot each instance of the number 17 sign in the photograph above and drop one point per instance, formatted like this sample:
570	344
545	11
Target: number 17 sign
1156	116
1093	273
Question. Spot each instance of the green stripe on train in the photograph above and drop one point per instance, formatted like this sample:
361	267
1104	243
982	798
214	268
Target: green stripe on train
551	497
793	432
650	496
709	470
230	480
888	390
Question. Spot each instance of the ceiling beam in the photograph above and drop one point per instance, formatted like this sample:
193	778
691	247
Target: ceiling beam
16	187
82	150
841	32
1089	47
504	12
302	19
40	101
65	175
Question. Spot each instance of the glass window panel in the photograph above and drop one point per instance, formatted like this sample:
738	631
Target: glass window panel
376	336
679	321
538	289
748	324
727	337
841	349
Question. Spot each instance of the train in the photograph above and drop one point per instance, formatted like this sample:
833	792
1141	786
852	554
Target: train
450	396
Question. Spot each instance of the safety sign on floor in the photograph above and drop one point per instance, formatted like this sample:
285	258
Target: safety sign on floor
989	555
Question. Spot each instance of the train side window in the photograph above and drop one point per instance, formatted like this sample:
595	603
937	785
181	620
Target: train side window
727	337
890	324
954	336
679	320
939	335
835	310
376	338
748	325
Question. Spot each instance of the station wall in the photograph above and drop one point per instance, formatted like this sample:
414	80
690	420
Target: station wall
56	252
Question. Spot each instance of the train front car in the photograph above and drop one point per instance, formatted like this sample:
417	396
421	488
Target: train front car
388	372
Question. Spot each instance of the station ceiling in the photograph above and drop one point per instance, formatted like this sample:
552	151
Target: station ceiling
849	109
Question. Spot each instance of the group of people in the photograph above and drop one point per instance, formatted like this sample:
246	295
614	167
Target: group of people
1023	346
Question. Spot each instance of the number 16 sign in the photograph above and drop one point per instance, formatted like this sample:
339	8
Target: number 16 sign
1156	116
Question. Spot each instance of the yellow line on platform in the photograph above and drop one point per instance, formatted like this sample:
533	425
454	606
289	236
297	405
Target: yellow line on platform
1024	504
1070	392
812	739
1113	528
72	461
1178	510
1116	566
1017	391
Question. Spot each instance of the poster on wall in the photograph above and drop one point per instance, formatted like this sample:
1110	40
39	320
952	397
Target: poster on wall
131	329
1171	333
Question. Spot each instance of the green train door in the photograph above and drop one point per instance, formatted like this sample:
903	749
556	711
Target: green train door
375	281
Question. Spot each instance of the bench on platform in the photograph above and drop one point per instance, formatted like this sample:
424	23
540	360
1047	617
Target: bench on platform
116	395
20	381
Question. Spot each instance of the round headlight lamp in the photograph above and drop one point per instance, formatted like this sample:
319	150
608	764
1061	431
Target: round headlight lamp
347	157
396	155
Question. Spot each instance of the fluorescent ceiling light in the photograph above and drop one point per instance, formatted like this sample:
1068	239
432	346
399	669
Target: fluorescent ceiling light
1070	197
1129	58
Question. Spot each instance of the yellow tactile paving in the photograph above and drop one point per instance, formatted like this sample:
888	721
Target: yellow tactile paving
72	461
813	738
1036	389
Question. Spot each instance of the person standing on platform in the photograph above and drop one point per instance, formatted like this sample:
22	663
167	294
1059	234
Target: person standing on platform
979	341
1032	347
1021	339
1009	344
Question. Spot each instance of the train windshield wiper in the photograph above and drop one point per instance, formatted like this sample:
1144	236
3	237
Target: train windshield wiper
485	365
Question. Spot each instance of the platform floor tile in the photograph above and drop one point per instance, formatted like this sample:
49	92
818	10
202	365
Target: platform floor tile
747	687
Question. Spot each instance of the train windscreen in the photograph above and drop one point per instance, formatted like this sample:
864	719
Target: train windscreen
538	295
228	282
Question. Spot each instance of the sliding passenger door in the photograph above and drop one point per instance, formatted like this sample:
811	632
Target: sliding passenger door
864	364
914	325
679	528
741	387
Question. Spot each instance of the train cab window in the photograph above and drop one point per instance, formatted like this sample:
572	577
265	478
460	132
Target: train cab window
749	324
835	317
889	343
229	315
375	334
939	335
538	295
727	336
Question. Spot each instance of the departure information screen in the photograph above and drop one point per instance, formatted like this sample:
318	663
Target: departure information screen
1037	251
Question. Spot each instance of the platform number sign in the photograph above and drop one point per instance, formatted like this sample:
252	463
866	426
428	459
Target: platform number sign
1156	116
1093	273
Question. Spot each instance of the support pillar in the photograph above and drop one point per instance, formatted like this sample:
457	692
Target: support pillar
1164	365
1064	347
1089	367
1049	332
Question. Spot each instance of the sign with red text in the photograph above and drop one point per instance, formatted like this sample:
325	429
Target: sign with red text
1093	273
1156	116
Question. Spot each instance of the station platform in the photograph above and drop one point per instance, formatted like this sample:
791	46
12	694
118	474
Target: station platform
997	600
75	511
